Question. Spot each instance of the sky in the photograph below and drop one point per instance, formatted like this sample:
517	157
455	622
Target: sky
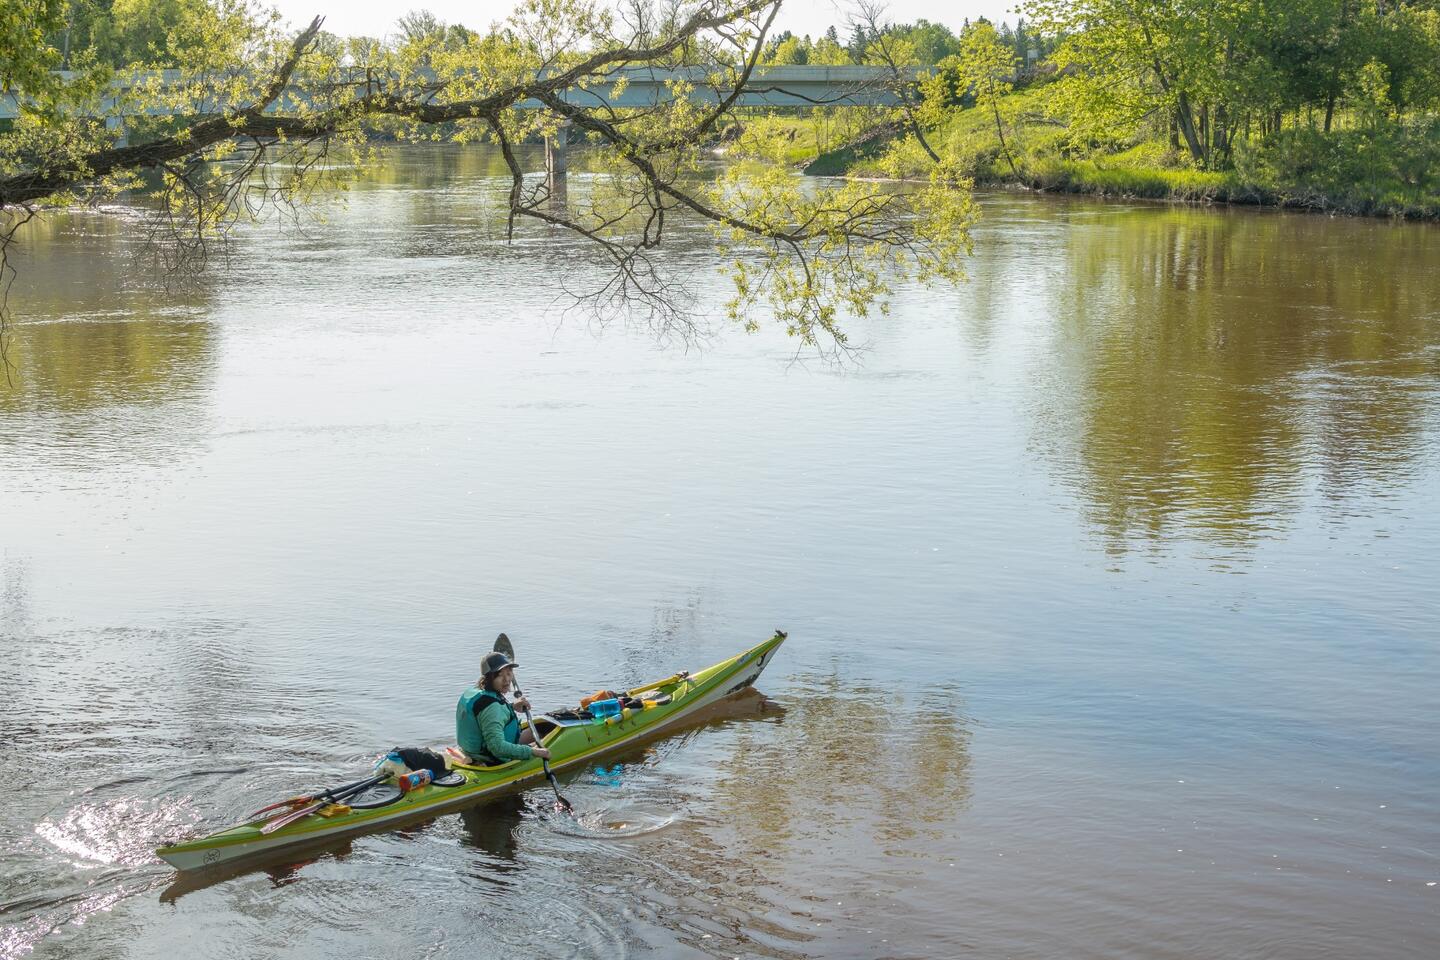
375	18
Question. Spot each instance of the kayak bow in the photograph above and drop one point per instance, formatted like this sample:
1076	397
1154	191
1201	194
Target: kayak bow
571	743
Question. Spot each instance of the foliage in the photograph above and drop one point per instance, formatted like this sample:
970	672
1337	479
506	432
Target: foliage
1389	168
986	67
928	43
25	59
1212	73
262	121
1316	103
856	266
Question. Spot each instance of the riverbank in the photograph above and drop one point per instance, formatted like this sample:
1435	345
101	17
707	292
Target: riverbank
1388	170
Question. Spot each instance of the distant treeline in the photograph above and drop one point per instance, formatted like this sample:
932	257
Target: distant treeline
924	43
181	33
1205	74
1219	72
1332	104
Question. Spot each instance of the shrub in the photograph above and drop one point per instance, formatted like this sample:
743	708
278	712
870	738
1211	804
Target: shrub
1391	167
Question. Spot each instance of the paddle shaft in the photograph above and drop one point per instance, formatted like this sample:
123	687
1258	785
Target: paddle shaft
503	645
535	736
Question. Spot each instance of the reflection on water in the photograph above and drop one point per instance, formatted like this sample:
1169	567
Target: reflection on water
902	768
254	531
109	366
857	777
1216	366
1202	372
492	826
94	317
76	366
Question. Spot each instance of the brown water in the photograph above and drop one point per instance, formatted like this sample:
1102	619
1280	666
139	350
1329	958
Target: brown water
1110	579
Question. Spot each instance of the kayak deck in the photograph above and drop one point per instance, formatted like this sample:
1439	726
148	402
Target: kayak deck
570	742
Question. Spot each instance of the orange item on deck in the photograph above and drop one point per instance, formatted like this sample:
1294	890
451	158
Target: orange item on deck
598	695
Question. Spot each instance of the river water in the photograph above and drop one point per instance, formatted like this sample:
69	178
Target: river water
1110	578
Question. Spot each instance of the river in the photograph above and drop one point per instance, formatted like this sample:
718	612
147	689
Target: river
1110	579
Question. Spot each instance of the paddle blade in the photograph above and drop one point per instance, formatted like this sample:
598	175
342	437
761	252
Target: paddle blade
286	819
502	645
292	803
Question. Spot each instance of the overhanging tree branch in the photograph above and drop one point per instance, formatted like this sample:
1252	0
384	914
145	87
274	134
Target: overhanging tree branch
804	252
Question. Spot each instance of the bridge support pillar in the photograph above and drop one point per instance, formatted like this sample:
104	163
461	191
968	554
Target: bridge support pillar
115	126
556	162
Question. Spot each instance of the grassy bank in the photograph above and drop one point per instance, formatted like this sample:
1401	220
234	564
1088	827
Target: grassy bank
1387	170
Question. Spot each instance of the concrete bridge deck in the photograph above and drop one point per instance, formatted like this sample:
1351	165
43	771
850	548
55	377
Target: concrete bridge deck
628	88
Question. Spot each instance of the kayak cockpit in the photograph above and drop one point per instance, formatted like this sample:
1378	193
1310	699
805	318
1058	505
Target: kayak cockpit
544	727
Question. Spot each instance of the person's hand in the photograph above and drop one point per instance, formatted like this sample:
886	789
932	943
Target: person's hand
542	752
522	705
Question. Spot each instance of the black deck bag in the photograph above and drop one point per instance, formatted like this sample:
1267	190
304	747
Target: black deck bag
417	758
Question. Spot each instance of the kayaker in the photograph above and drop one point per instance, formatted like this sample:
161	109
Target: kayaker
486	727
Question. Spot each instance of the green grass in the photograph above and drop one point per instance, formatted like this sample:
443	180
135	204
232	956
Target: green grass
853	155
1089	176
806	137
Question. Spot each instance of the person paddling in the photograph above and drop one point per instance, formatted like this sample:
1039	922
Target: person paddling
486	727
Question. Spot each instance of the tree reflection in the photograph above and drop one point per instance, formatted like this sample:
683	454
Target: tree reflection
899	762
100	332
75	366
1216	362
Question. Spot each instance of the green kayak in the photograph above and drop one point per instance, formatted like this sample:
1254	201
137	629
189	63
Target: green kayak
572	741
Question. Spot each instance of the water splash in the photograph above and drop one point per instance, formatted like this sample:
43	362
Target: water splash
613	820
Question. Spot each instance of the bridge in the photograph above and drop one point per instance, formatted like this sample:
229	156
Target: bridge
628	88
768	87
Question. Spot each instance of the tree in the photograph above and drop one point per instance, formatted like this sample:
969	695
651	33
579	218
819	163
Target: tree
1215	68
417	26
887	48
987	66
1124	59
788	50
26	59
162	33
932	42
248	140
827	51
859	42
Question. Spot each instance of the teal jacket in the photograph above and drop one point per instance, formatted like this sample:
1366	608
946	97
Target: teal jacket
487	729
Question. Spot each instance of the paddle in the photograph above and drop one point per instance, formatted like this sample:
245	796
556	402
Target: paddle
502	645
323	800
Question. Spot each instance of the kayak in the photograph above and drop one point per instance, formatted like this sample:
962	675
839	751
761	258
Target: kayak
573	739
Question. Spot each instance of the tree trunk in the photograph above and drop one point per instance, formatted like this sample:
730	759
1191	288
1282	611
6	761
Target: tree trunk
1222	134
1334	90
1187	128
920	134
65	52
999	129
